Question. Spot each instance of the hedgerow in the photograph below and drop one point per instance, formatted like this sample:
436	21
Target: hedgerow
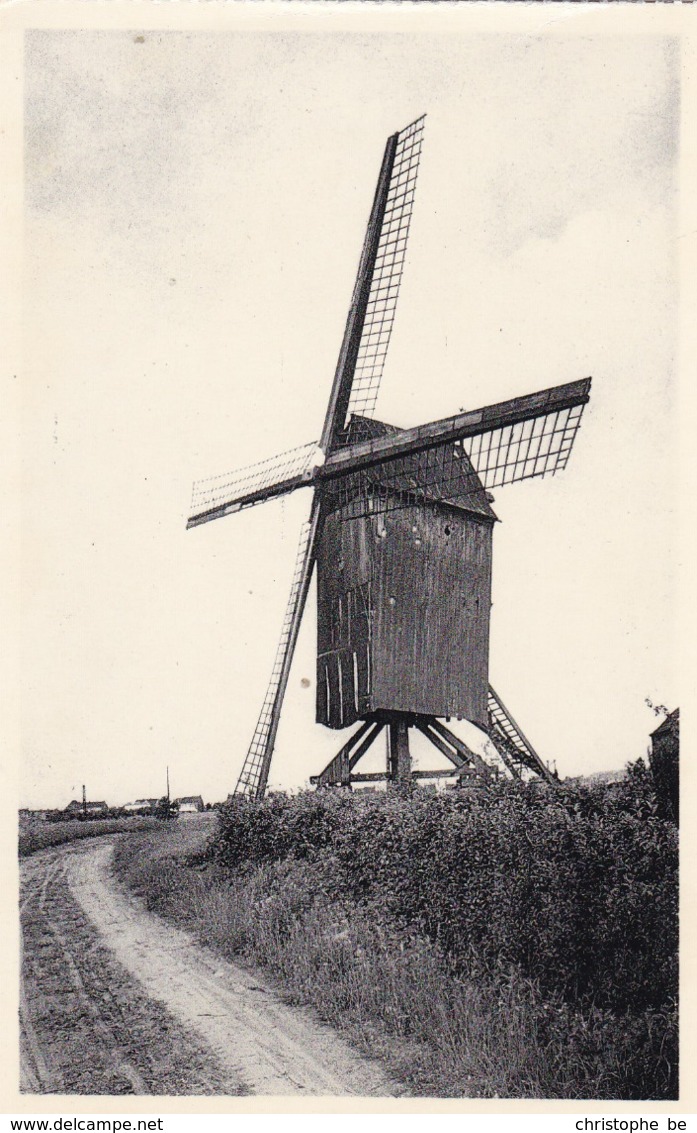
576	889
513	943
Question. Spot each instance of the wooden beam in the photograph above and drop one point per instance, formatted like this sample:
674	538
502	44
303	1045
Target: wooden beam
231	506
399	759
461	769
466	752
437	742
345	368
366	453
441	773
337	770
446	773
367	742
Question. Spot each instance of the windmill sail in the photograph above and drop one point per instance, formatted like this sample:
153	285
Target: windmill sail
232	491
374	301
363	351
455	459
255	769
387	272
457	472
539	446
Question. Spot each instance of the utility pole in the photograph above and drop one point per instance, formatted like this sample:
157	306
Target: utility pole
84	800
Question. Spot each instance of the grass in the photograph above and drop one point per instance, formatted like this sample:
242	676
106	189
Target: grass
35	835
389	989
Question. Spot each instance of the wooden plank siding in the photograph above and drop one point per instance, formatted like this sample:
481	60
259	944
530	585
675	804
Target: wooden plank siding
344	569
432	599
404	600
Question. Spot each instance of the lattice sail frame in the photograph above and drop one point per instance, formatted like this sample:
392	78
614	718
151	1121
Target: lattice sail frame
387	272
257	754
269	477
540	446
456	472
245	487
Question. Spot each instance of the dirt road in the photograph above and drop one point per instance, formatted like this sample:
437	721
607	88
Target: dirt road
115	1001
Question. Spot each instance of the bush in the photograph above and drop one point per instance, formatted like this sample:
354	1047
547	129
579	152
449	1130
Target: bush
281	826
576	890
489	1033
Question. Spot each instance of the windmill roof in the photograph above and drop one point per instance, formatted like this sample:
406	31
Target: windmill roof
669	725
450	476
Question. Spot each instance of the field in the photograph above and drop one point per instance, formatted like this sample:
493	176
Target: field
512	943
36	835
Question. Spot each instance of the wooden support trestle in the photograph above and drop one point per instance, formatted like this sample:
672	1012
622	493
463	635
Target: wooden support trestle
338	772
467	765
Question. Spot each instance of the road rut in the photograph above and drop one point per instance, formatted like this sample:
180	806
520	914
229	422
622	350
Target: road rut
254	1038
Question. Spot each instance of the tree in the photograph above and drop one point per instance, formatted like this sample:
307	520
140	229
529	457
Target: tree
166	810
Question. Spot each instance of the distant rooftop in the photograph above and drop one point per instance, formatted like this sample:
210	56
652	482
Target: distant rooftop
670	724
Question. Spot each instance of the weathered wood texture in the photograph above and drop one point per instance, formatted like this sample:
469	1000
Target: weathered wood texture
344	587
404	601
398	755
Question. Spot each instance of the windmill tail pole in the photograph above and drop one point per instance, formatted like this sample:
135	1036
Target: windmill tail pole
512	734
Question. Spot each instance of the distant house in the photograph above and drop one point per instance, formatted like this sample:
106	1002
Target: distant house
77	807
189	804
141	806
596	778
664	758
615	776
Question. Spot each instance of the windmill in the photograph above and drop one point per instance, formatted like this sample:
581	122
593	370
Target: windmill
400	529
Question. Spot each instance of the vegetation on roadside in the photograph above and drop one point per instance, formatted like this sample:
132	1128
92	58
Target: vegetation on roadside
37	835
516	942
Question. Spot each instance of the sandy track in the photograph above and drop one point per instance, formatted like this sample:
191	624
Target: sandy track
259	1041
86	1027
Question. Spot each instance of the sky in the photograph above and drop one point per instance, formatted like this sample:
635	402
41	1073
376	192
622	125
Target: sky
195	204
